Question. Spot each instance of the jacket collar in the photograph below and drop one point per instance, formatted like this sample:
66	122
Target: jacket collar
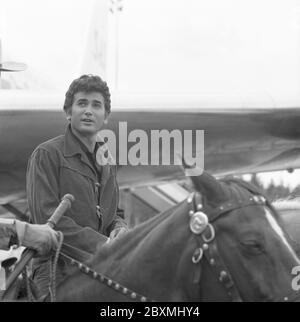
73	146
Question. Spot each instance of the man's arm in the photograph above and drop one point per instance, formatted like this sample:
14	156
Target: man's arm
44	196
42	238
118	225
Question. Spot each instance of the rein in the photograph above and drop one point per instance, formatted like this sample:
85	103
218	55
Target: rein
107	281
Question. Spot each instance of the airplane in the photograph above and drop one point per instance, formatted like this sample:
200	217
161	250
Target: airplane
239	137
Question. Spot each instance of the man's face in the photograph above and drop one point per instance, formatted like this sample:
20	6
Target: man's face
87	113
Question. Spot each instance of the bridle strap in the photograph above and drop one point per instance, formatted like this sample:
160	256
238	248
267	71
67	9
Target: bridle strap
207	245
230	206
221	271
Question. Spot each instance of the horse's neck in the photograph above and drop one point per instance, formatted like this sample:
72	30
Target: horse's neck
124	245
147	259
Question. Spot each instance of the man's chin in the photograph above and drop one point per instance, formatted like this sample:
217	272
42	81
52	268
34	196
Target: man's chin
87	130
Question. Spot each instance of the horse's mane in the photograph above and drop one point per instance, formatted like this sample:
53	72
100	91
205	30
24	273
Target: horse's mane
279	204
235	185
246	185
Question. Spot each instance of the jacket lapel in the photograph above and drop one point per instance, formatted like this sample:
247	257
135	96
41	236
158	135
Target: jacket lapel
105	168
85	160
105	174
72	148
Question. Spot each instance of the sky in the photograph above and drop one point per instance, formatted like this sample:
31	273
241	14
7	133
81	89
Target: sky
246	49
47	35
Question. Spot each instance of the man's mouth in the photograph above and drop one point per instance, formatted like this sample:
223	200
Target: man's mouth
87	120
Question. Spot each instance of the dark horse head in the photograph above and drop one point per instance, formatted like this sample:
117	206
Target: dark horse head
224	243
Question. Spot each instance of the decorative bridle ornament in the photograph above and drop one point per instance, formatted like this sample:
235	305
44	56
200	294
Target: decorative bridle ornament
107	281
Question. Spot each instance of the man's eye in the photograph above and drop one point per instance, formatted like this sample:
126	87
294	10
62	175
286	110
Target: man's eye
82	104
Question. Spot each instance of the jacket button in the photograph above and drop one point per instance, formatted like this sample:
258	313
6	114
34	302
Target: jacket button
97	184
98	208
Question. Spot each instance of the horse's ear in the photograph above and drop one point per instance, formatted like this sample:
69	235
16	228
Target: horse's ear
208	186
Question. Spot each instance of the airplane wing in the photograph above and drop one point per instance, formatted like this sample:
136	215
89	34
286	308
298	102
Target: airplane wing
236	139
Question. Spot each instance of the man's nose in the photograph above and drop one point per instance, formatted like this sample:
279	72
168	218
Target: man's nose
88	110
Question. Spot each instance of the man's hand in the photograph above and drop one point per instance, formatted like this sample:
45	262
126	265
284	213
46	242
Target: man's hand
42	238
117	232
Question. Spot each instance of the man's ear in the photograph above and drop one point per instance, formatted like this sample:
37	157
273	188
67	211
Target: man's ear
68	114
106	118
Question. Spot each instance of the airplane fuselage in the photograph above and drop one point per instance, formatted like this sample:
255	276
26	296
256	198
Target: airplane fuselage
237	139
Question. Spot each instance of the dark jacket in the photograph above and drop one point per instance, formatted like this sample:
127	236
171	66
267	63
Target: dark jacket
60	166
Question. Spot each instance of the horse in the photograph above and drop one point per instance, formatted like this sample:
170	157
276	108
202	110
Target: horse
226	242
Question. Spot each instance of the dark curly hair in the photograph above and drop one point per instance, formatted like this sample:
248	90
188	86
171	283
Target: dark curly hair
87	84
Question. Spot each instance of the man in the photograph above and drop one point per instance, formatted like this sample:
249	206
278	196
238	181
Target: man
68	164
41	238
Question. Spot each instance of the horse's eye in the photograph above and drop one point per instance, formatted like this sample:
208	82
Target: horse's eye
253	247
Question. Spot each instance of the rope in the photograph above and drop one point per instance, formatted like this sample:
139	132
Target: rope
30	296
53	265
52	272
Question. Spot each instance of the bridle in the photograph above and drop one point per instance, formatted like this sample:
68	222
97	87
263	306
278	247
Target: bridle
202	226
204	230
